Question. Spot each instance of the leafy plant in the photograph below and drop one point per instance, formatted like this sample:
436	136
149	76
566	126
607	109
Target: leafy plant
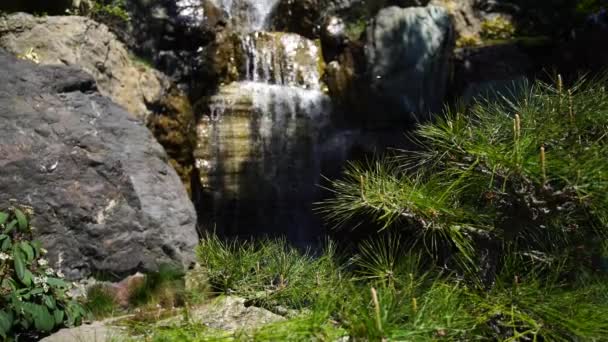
110	10
468	41
33	296
497	28
509	195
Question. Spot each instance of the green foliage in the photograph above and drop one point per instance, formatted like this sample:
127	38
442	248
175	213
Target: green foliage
113	10
510	195
100	303
355	28
586	7
468	41
267	272
164	287
33	296
384	292
497	28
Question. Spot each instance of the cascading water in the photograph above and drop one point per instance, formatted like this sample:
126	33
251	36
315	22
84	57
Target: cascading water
251	15
261	144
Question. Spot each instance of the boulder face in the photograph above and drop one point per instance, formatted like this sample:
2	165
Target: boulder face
407	54
105	199
259	156
79	41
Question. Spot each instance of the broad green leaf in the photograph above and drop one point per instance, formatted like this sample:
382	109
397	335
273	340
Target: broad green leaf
21	219
28	250
9	283
59	315
27	278
49	301
10	226
3	218
56	282
36	245
6	244
19	263
36	291
6	322
43	320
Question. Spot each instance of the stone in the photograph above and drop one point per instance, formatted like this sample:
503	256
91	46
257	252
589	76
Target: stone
81	42
333	37
259	151
105	199
301	17
96	332
407	53
231	314
480	70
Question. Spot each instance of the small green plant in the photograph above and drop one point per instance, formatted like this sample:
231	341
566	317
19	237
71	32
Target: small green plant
269	273
163	288
110	10
498	28
468	41
100	302
356	28
33	296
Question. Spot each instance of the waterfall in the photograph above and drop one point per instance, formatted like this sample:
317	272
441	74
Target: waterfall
263	139
285	59
252	15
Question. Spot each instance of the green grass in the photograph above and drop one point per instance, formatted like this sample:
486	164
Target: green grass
100	303
165	287
413	300
269	272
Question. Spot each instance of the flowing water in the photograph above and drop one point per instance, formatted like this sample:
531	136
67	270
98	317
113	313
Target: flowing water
252	15
265	140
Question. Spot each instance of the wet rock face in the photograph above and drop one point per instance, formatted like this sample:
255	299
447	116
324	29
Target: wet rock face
481	71
282	58
81	42
104	197
407	54
259	156
301	17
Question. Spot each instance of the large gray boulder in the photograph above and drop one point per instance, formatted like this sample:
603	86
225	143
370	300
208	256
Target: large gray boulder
79	41
407	54
105	200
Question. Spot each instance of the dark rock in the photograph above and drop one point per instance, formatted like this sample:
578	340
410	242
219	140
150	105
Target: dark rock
104	197
480	70
301	17
408	52
333	37
83	43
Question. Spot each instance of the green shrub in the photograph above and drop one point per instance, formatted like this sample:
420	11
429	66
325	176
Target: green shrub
110	11
100	302
33	296
164	287
511	196
497	28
